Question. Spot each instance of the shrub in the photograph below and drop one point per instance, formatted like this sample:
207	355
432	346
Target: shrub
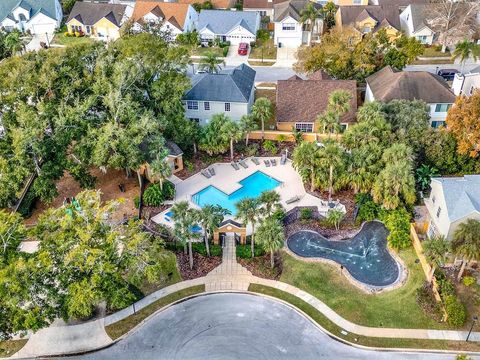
279	215
66	34
426	300
282	138
469	280
153	195
334	218
305	214
244	252
456	312
136	201
28	204
168	190
215	250
225	51
252	149
445	287
367	212
270	146
398	223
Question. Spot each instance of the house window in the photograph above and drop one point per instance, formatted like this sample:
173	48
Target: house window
197	120
206	105
192	105
437	124
439	211
357	2
288	26
88	29
433	199
422	39
304	127
442	107
227	106
408	17
366	29
263	13
472	89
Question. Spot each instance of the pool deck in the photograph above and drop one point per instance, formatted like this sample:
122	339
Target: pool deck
227	180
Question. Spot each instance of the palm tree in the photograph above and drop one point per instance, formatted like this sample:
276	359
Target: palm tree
184	219
331	156
335	217
160	169
436	250
247	212
210	217
211	62
247	124
466	242
338	105
13	42
232	132
270	201
309	15
271	236
329	122
424	176
306	158
363	167
464	50
262	111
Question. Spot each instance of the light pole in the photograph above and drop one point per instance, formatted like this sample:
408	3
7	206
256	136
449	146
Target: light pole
475	318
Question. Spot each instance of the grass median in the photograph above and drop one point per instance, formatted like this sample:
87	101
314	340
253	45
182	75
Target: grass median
10	347
331	327
121	327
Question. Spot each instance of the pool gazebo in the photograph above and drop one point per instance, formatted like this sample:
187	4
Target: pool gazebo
231	226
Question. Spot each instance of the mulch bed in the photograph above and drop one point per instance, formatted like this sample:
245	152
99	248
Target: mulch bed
202	265
346	231
260	266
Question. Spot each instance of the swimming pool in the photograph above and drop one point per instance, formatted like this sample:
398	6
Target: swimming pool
252	187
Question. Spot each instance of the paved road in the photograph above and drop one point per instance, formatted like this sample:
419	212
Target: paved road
236	326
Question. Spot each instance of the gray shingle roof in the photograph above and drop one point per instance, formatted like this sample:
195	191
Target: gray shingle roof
387	85
462	195
222	21
229	86
418	16
173	148
354	13
35	6
292	8
90	13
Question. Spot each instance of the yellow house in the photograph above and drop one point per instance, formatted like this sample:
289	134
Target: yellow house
350	2
370	18
98	20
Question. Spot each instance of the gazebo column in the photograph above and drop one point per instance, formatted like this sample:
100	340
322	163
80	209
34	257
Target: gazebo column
216	237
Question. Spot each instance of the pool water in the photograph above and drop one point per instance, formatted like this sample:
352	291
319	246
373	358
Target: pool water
252	187
365	256
194	228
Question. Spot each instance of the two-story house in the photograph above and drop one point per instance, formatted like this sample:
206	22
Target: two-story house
414	24
173	18
370	18
264	7
466	84
38	17
452	201
98	20
388	84
289	30
225	25
230	92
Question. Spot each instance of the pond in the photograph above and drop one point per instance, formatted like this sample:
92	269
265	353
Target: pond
365	256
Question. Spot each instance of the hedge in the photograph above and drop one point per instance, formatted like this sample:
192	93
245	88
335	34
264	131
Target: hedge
244	252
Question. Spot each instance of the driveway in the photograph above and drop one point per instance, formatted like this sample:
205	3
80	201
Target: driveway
233	59
286	57
34	44
237	326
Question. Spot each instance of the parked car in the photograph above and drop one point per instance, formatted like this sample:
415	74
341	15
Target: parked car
448	74
243	49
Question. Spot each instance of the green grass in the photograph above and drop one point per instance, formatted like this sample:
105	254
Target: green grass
396	308
325	323
200	51
269	51
432	52
259	63
10	347
271	95
123	326
61	39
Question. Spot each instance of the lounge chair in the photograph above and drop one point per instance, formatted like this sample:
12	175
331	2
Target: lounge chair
267	163
255	161
206	174
292	200
283	160
211	171
274	162
235	165
243	164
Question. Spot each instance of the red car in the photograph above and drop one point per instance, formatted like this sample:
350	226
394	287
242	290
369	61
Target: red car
243	49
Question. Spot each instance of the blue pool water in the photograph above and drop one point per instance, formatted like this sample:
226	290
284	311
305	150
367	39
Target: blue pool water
194	228
252	187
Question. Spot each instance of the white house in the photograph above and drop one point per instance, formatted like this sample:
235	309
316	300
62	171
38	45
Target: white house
289	31
226	25
452	201
38	17
172	17
412	21
387	84
230	92
466	84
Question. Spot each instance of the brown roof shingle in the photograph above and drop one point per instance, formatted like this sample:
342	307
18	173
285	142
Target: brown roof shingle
217	4
169	10
387	85
303	100
352	14
260	4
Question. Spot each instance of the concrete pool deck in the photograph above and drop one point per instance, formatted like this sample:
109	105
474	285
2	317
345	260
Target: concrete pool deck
227	180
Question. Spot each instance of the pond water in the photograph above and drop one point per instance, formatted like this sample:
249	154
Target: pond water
365	256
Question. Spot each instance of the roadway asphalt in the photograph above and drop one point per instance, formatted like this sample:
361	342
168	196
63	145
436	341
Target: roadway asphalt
237	326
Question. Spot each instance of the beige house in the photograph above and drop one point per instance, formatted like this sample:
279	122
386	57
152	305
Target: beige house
452	201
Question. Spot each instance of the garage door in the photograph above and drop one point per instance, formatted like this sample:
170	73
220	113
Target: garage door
40	29
237	39
289	42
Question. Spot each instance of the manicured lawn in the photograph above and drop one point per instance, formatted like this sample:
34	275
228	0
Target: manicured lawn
200	51
432	52
325	323
396	308
10	347
61	39
271	95
122	327
269	51
259	63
